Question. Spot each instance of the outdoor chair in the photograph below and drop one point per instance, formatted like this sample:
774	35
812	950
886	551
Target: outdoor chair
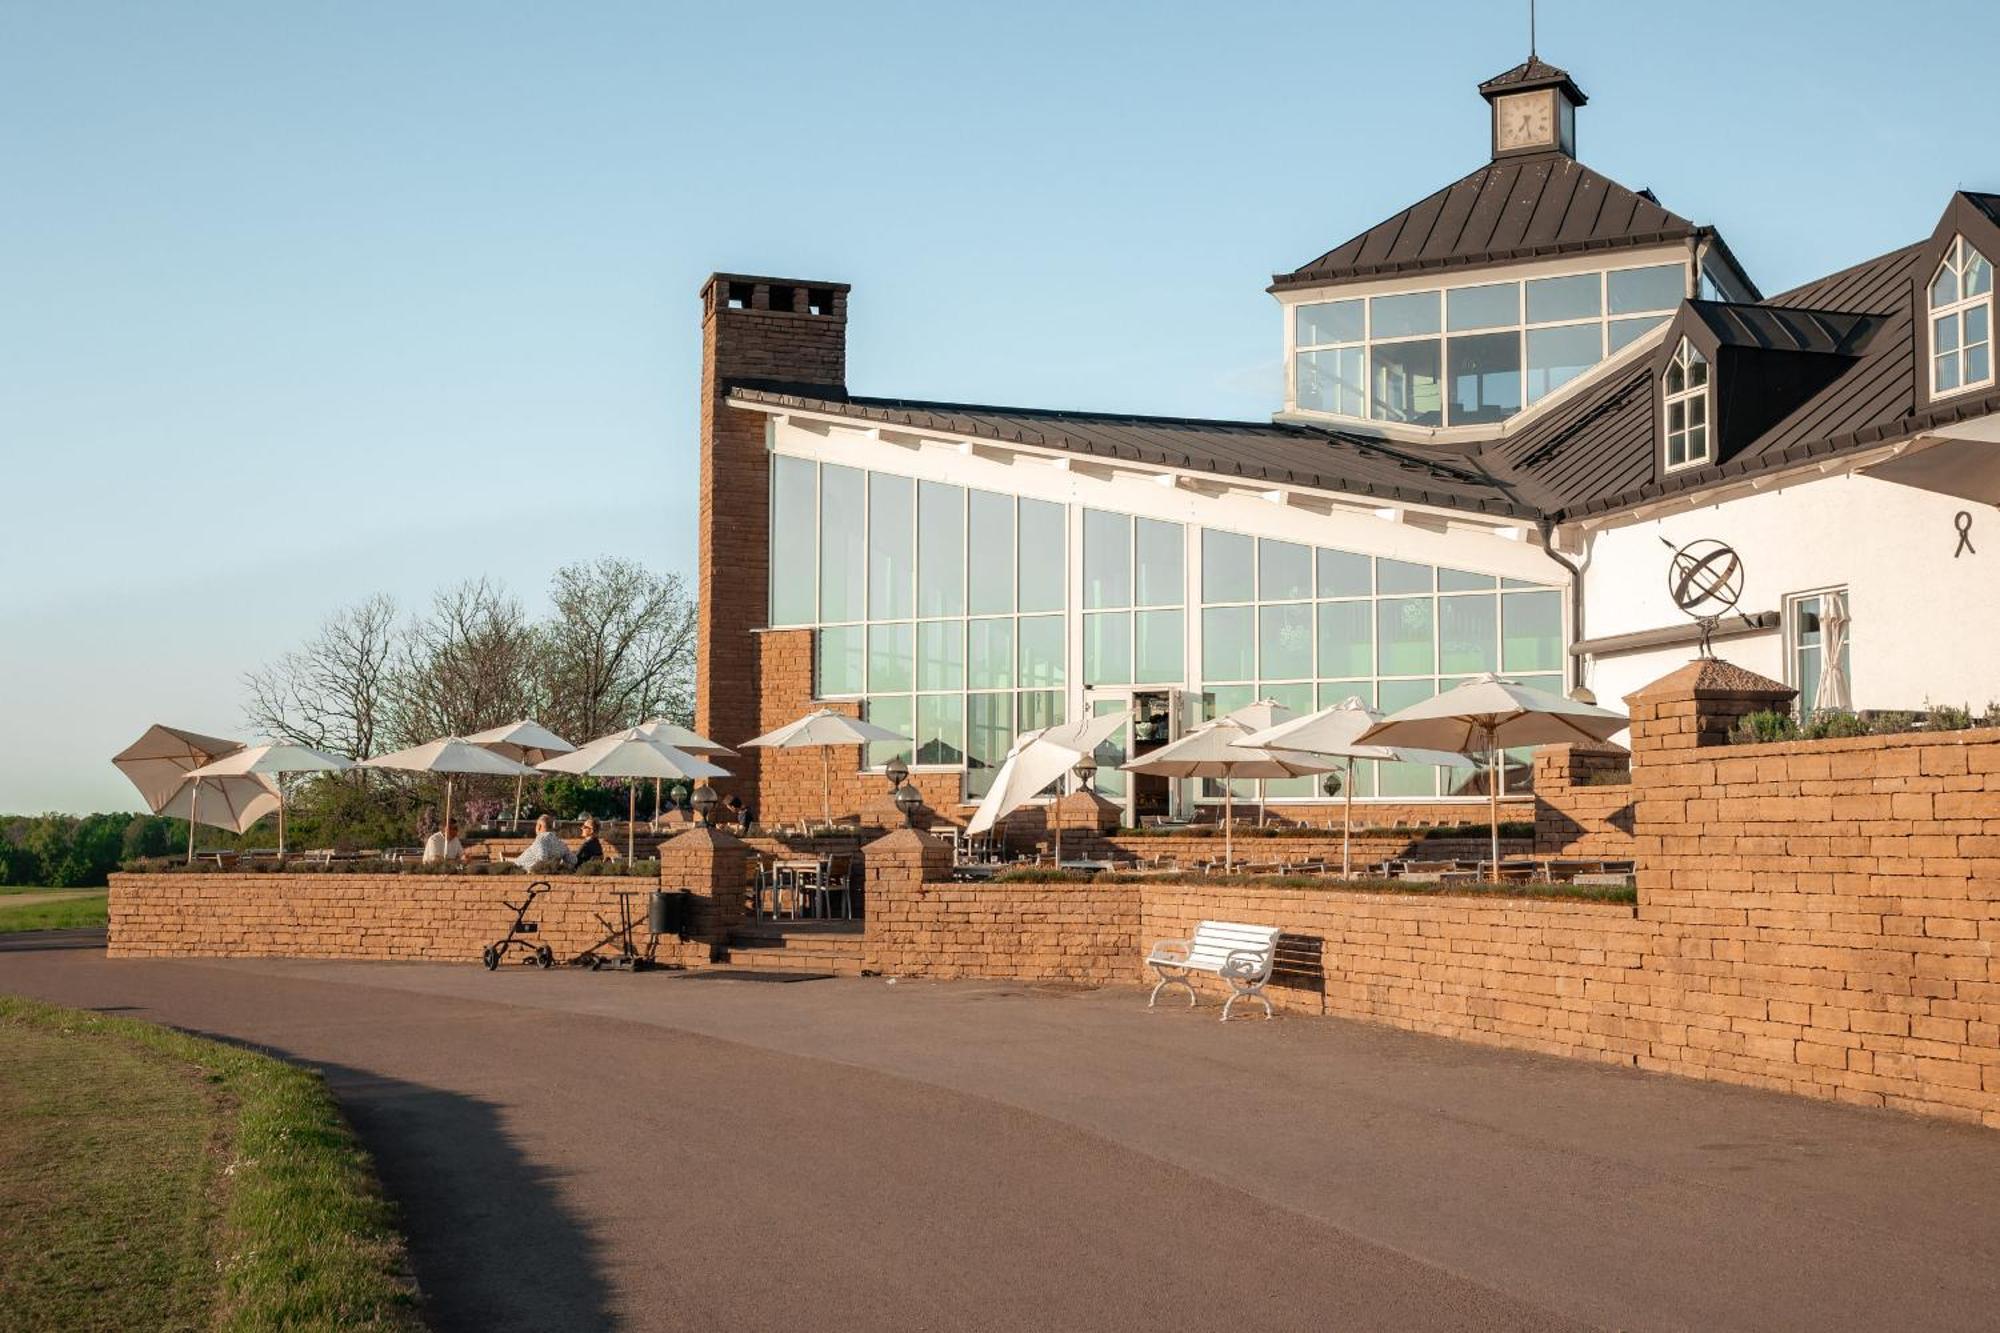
1238	953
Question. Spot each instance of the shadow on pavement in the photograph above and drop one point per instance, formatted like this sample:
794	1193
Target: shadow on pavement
33	941
492	1245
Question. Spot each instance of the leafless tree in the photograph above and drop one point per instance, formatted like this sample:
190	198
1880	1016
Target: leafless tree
333	692
618	649
466	666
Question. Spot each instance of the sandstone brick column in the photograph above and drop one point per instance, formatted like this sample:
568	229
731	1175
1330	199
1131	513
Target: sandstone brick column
711	864
898	865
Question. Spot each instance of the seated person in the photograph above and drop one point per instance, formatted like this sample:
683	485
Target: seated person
444	845
547	851
736	812
592	849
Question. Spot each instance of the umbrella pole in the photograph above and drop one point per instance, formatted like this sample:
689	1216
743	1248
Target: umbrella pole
519	779
826	785
1228	826
194	809
1055	823
1493	795
656	801
1347	826
281	816
632	814
444	831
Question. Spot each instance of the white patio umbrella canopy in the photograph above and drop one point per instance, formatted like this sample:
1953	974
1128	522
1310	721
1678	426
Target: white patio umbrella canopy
1333	733
685	739
1834	692
273	759
1038	758
526	741
1489	714
632	754
822	730
449	755
159	764
1214	750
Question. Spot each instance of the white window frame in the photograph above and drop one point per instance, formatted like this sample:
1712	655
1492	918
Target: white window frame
1956	258
1789	620
1686	356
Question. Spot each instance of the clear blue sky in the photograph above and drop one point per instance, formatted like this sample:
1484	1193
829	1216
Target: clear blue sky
303	301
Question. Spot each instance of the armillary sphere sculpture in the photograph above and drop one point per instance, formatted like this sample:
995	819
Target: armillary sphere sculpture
1705	578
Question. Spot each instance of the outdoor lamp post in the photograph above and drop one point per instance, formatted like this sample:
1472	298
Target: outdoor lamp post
909	800
704	805
1086	770
897	772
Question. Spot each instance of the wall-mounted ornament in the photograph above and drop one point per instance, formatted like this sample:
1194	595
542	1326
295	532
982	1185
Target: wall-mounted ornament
1963	521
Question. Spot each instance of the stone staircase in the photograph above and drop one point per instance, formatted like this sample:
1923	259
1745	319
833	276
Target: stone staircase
797	946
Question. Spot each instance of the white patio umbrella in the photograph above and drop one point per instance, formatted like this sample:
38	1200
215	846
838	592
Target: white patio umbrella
273	759
632	754
159	764
525	742
1835	692
1331	733
685	739
1213	750
1261	715
1489	714
822	730
451	756
1036	759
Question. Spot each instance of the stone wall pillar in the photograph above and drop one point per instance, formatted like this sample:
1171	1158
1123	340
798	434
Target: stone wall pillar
898	865
712	865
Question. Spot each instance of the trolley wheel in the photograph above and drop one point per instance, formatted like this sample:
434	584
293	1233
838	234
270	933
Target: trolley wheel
490	957
545	958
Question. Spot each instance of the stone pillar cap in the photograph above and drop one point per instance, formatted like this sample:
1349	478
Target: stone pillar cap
1711	678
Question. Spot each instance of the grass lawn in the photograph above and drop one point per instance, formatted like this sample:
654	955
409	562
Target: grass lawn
72	911
154	1180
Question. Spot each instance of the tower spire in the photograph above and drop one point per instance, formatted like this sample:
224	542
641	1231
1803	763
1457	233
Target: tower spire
1531	29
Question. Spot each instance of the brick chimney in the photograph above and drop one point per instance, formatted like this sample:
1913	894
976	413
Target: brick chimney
781	333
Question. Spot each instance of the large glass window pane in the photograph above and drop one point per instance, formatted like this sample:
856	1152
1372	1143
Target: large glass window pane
1494	306
1345	574
1107	648
1405	636
989	654
940	728
1107	559
1040	708
1403	316
895	714
1331	381
990	572
890	652
1285	642
1162	579
1632	290
1468	634
794	538
843	565
1158	656
1041	650
989	733
1402	576
1298	698
1284	571
941	655
1328	322
838	664
1405	384
1624	332
1228	644
1405	779
1531	623
940	549
1577	297
1227	571
1333	692
1485	377
1346	638
1463	580
1044	541
1557	356
891	547
1111	752
1220	699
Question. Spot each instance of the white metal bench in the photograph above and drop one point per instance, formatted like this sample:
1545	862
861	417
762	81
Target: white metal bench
1240	954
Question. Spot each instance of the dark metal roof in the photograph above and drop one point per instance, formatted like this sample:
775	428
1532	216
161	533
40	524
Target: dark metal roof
1786	328
1276	453
1534	72
1526	207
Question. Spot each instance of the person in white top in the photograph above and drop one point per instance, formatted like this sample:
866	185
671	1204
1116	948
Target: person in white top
444	846
547	850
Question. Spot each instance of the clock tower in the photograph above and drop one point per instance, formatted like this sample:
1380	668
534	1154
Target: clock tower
1534	109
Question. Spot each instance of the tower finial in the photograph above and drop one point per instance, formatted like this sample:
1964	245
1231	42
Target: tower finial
1531	29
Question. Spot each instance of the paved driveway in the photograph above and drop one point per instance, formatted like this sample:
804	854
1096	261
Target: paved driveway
595	1151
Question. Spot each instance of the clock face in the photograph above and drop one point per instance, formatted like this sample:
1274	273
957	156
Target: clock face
1525	120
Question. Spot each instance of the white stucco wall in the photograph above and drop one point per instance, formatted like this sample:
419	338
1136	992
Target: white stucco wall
1926	624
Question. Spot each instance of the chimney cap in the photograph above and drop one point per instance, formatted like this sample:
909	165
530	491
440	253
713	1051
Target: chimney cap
816	283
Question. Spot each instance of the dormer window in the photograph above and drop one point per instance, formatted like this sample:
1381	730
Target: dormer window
1961	321
1686	398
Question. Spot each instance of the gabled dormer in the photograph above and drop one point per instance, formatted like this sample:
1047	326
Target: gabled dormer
1953	305
1727	372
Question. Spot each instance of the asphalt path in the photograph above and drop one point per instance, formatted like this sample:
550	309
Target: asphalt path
586	1151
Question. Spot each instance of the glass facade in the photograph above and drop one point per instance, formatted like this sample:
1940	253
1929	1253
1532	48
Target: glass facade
1474	355
947	611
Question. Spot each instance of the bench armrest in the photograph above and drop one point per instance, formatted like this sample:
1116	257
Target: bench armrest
1246	964
1164	949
